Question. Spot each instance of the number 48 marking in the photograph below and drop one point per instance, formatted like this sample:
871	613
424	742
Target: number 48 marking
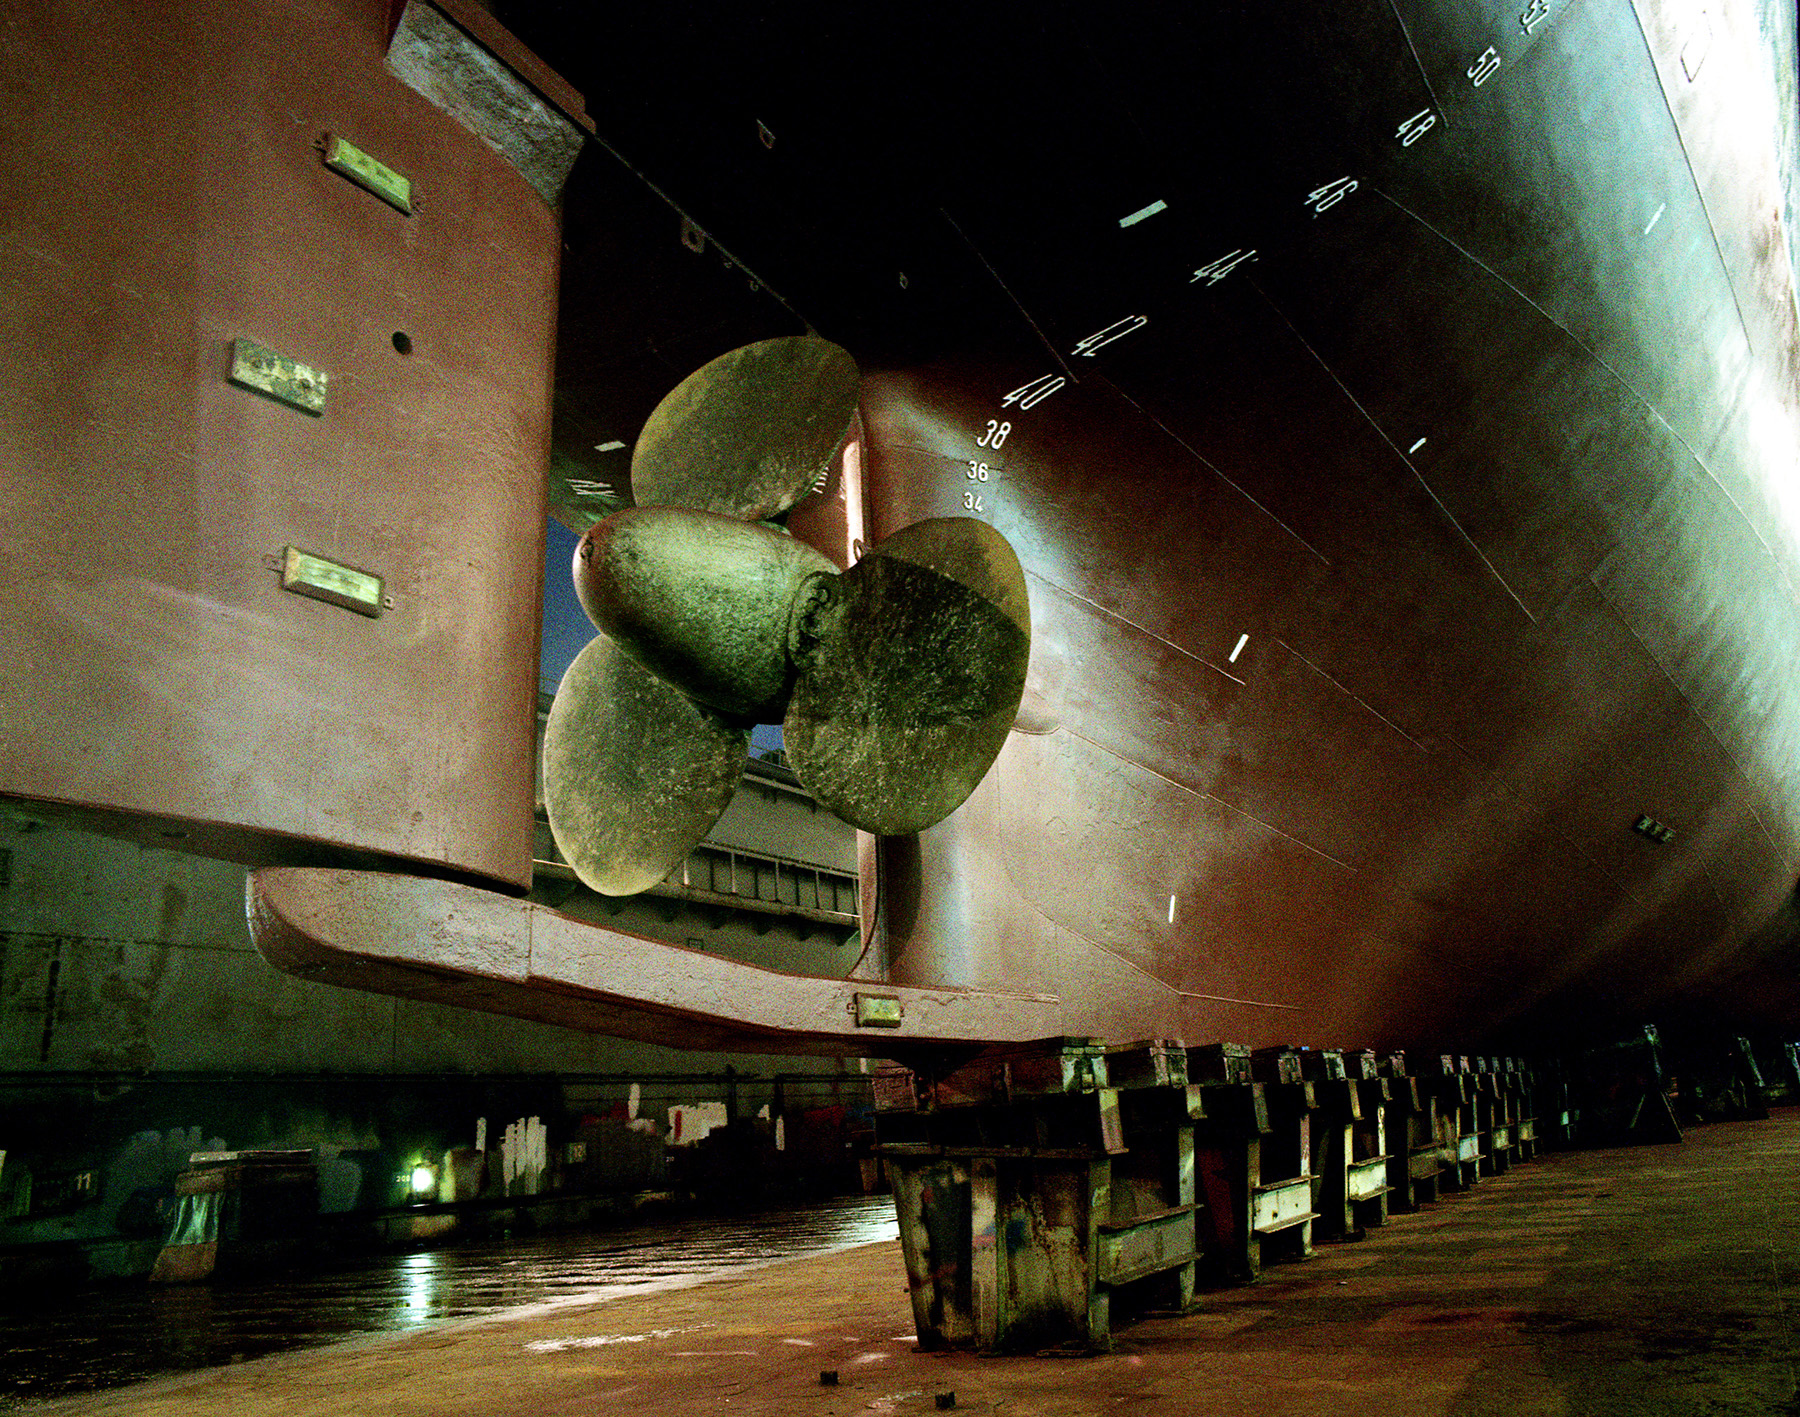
1416	127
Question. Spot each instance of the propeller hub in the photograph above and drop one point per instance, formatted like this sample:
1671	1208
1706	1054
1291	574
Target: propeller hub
701	600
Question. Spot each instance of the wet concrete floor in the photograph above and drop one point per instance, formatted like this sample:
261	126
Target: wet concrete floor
104	1336
1589	1284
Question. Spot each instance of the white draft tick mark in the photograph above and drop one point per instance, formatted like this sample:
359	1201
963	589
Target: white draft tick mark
1143	213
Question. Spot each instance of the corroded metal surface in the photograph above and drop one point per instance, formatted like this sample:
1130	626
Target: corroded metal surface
284	379
702	600
459	71
749	434
635	772
912	665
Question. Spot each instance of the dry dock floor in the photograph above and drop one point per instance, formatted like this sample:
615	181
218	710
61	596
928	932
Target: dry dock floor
1649	1280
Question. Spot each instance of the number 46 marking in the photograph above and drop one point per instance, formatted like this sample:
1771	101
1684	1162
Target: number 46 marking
1323	199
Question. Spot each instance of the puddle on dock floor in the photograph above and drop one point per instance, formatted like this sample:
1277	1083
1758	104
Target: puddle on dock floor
102	1336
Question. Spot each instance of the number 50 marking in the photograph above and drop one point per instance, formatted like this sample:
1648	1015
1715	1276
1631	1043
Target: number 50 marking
1483	68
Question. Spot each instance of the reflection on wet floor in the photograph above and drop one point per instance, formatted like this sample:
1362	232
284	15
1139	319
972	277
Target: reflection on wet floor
100	1337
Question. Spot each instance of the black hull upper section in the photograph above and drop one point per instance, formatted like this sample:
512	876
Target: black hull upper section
1393	407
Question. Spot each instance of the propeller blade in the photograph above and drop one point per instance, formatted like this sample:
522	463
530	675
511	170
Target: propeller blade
635	772
911	665
750	433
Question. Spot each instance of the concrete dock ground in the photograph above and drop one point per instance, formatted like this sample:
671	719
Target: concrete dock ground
1649	1280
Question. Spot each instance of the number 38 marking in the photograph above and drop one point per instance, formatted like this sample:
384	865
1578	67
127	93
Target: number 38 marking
995	435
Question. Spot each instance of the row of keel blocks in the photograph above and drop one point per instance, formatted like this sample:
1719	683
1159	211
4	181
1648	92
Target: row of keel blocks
1040	1187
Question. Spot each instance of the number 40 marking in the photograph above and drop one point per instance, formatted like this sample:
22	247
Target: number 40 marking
1032	394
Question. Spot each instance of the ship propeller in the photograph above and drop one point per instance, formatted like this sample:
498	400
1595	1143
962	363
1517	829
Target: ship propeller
910	667
896	681
635	772
749	434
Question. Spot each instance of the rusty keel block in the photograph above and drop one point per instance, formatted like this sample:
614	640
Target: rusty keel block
1350	1154
1033	1187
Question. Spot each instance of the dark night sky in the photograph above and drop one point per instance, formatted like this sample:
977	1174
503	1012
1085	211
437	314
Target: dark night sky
566	626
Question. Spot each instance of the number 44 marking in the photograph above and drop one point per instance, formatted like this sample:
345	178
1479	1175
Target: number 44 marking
1215	271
